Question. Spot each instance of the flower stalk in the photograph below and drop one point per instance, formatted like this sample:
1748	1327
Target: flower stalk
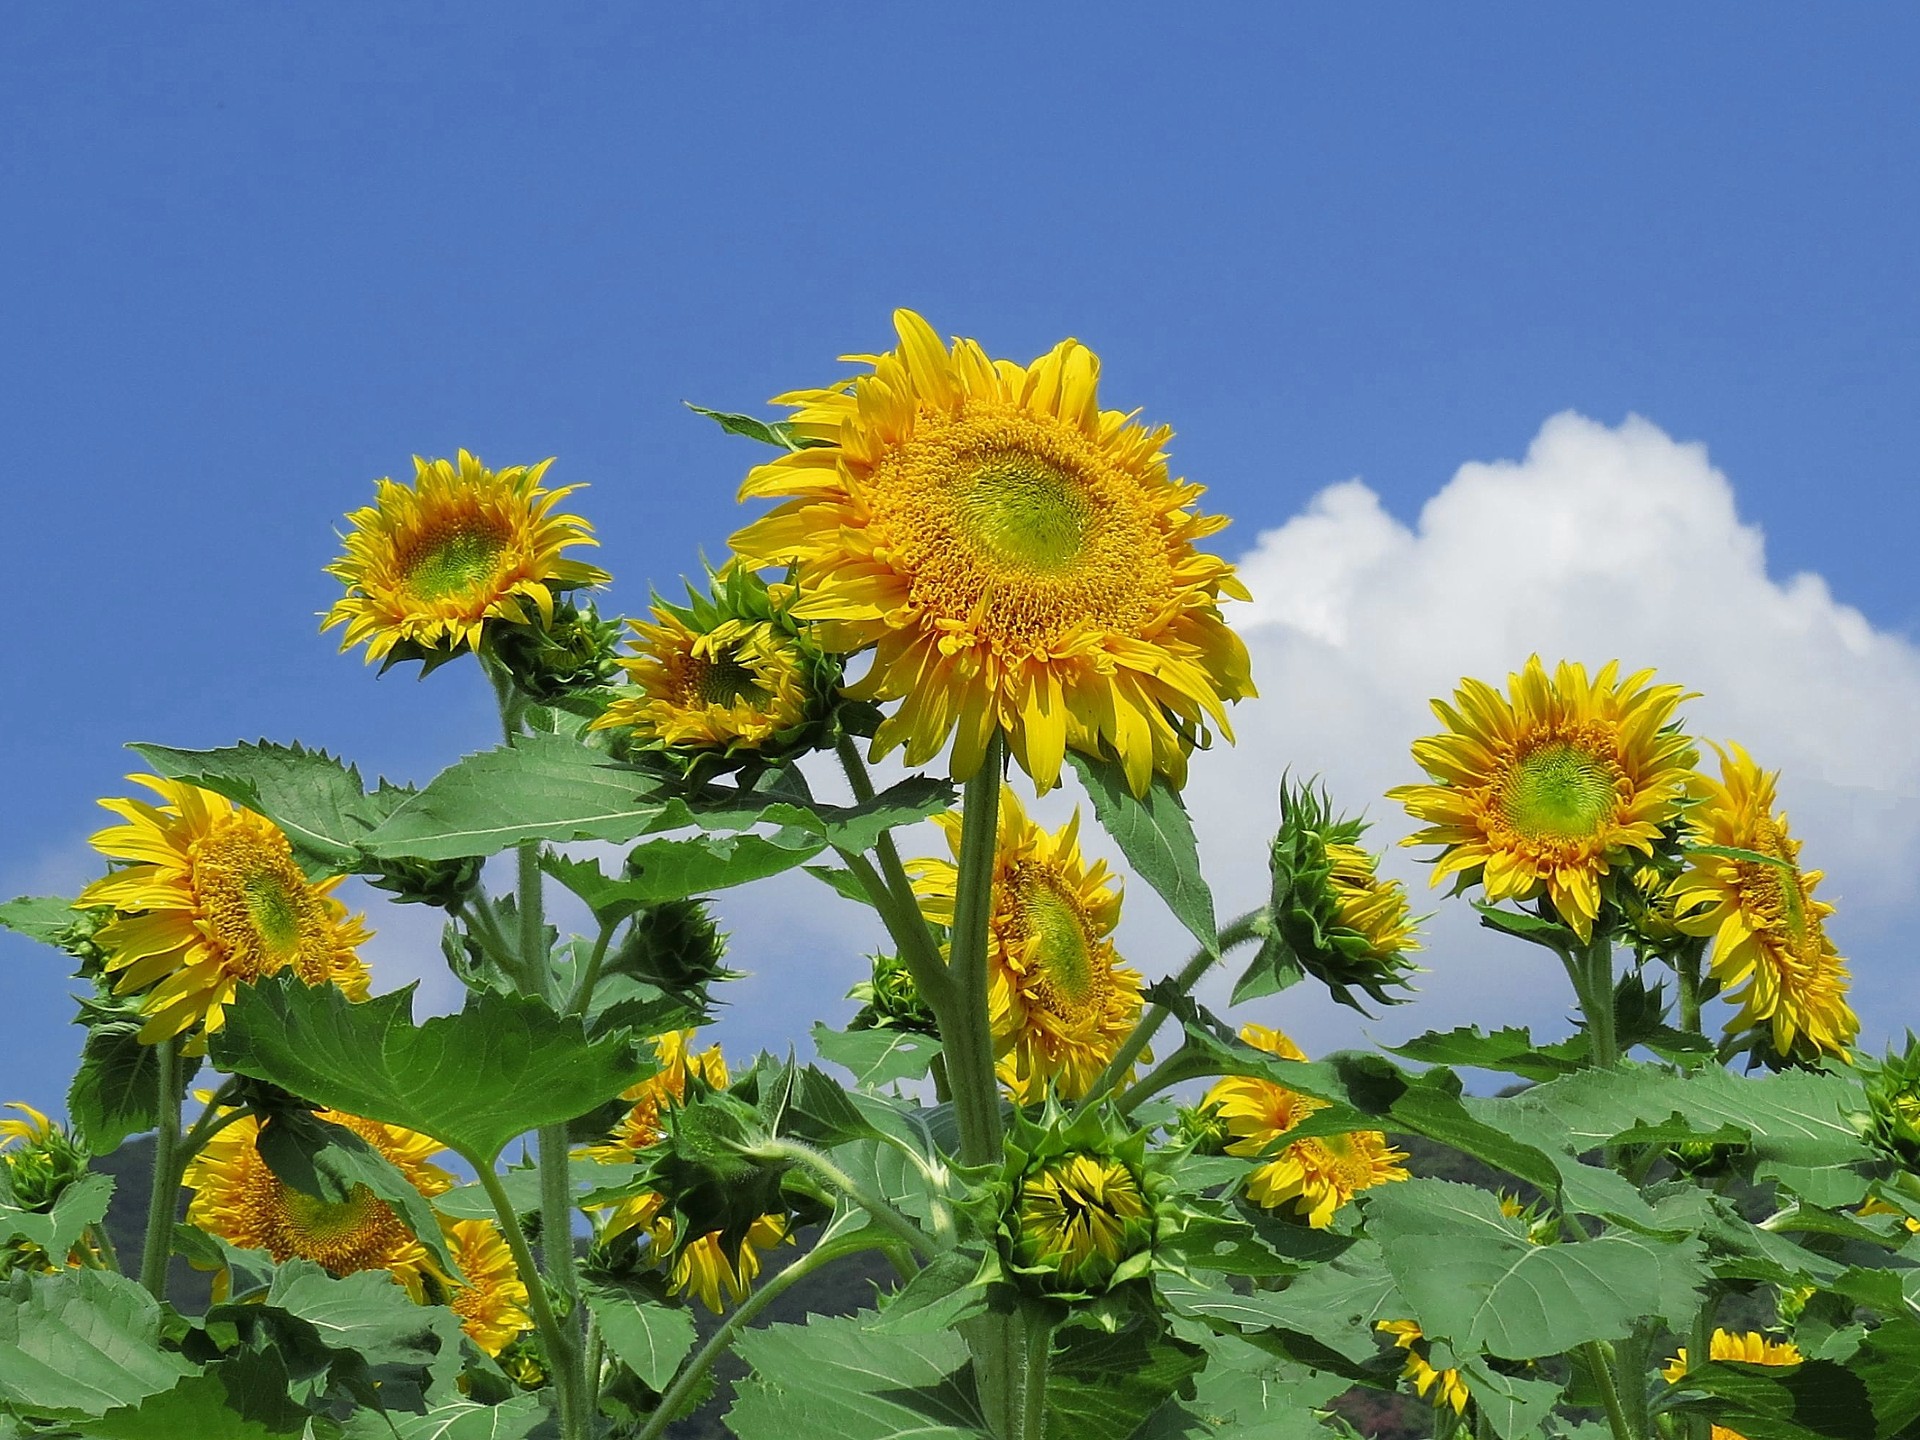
158	1249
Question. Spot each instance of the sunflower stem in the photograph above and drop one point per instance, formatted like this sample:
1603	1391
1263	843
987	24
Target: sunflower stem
158	1249
1598	1363
969	1049
1687	966
898	909
583	988
558	1342
1033	1392
1238	932
1600	1011
866	1199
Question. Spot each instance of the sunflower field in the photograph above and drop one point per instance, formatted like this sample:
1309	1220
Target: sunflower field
1099	1208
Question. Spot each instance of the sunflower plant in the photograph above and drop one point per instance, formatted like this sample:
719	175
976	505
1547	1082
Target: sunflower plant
1099	1208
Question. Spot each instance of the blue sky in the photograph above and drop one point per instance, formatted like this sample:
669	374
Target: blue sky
257	256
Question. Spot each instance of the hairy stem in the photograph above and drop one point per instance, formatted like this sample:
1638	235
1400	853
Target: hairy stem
1033	1393
866	1199
583	987
969	1049
1597	1361
1687	966
891	891
558	1342
1239	932
158	1249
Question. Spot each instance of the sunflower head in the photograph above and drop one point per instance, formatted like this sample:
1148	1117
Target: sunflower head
1084	1206
1330	916
890	1001
429	565
1314	1176
705	1168
1893	1099
729	679
1016	558
1649	910
1060	1000
1770	954
675	945
491	1299
1445	1388
553	664
1551	788
38	1159
1750	1348
209	897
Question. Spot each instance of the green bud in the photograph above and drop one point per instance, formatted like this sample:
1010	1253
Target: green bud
549	663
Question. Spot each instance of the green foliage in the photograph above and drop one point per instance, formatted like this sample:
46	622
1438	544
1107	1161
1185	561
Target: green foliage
1108	1382
116	1089
662	870
839	1378
56	1230
650	1339
472	1081
877	1057
778	433
1156	836
81	1342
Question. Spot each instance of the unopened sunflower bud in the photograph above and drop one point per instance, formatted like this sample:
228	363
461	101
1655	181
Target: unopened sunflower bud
548	663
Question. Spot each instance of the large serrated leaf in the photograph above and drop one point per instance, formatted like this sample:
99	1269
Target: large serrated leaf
242	1399
515	1418
650	1337
473	1081
113	1092
876	1057
320	802
39	917
1108	1383
663	870
1156	836
1510	1049
57	1231
838	1378
85	1341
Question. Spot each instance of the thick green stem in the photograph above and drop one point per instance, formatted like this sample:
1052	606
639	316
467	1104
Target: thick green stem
866	1199
966	1029
1598	1362
560	1345
1033	1393
717	1344
1597	1000
1239	932
158	1249
1699	1351
891	892
1687	967
535	959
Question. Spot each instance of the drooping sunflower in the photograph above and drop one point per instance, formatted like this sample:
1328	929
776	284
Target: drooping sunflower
211	898
1059	999
492	1302
729	672
1771	952
1017	557
1449	1389
428	564
1316	1175
1552	786
1751	1348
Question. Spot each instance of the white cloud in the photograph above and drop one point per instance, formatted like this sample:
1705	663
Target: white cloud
1602	543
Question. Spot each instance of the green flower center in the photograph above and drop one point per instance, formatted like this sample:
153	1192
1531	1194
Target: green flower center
1026	512
724	681
1559	791
454	561
275	913
325	1222
1065	951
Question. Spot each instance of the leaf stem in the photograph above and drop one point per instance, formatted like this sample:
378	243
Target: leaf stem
891	891
158	1248
873	1204
558	1342
1238	932
717	1344
583	987
1596	1358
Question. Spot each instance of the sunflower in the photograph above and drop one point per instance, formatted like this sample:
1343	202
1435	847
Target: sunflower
211	898
719	1276
1552	788
1449	1390
1017	557
428	564
33	1130
640	1126
1078	1218
1771	953
1751	1348
1317	1175
239	1198
492	1301
1059	1000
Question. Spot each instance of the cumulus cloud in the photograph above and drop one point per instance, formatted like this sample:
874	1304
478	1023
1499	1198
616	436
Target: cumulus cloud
1602	542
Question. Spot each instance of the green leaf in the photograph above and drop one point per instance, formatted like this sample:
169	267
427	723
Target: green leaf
57	1231
45	918
228	1401
591	1180
837	1378
663	870
1108	1383
947	1291
1522	926
321	803
842	882
1329	1313
114	1090
1469	1276
1514	1405
513	1419
1247	1394
1817	1400
329	1162
876	1057
778	433
84	1341
1156	836
650	1337
1510	1049
473	1081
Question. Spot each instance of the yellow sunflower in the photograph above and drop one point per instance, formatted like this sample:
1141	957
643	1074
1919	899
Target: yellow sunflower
1017	557
211	898
1081	1217
428	564
1449	1389
1552	788
735	686
1059	999
1751	1348
37	1127
492	1303
1316	1175
1771	953
239	1198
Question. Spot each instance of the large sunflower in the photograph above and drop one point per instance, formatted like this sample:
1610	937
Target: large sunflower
211	898
239	1198
428	564
1316	1175
1016	556
1060	1001
1552	786
1752	1348
1771	953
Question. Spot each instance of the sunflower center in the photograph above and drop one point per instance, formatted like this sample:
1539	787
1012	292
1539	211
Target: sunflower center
326	1222
1771	896
257	909
1025	512
1065	950
723	680
1559	791
454	560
